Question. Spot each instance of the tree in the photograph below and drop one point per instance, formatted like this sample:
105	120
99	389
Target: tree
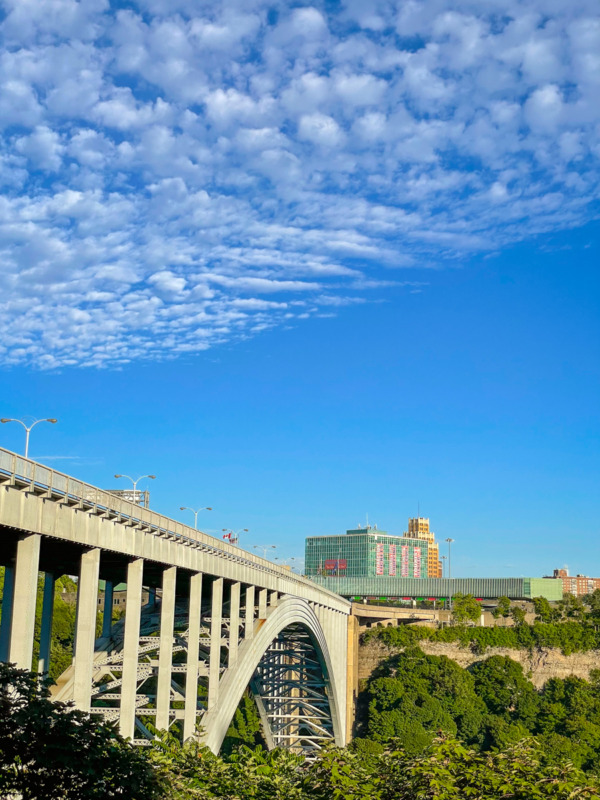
505	690
544	611
503	608
49	751
450	771
190	771
572	607
518	615
465	608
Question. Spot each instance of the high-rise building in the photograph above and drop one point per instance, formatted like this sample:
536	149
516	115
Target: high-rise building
366	552
418	528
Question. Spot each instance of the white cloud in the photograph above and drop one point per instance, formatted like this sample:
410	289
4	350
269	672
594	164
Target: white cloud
179	173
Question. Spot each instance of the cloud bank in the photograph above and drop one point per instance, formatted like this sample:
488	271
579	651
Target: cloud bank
180	173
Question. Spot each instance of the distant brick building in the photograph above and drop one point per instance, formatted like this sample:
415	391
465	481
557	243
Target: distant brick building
577	585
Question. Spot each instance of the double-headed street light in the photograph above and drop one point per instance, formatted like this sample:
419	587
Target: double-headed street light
195	512
264	548
136	481
28	428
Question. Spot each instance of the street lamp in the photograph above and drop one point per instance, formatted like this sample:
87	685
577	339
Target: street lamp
233	536
444	559
285	561
136	481
449	573
28	429
195	512
264	548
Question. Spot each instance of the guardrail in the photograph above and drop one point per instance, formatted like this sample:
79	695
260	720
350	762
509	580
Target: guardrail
57	485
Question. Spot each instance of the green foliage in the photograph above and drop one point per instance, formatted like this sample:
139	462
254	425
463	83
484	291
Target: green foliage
503	608
446	770
413	696
518	615
465	608
569	637
192	772
245	728
501	684
48	751
450	771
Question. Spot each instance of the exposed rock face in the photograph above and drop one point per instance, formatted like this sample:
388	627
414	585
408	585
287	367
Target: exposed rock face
539	665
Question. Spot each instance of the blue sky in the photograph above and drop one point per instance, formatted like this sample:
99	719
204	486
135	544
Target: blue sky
308	262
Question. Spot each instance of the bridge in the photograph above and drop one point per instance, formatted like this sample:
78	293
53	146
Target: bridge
219	620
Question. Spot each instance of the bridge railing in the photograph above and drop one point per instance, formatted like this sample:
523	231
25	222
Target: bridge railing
37	477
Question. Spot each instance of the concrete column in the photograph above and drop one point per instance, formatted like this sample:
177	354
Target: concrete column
135	574
85	628
20	649
165	656
214	668
108	607
234	623
191	675
273	599
262	604
249	615
7	611
46	627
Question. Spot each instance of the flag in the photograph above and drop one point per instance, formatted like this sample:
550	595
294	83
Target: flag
227	536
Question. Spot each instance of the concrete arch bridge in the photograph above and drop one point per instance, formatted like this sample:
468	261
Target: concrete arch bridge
216	618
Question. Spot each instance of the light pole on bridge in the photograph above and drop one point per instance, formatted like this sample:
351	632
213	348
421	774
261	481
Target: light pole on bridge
285	561
264	548
28	428
195	512
136	481
449	573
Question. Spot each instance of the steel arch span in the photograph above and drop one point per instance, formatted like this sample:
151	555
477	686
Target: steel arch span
289	667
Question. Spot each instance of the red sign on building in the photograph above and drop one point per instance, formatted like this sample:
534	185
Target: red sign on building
417	562
336	563
392	560
379	559
405	561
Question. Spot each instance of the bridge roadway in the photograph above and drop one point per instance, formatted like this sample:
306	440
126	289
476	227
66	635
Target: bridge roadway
219	619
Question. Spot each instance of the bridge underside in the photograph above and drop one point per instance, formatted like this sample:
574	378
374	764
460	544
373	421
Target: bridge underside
290	683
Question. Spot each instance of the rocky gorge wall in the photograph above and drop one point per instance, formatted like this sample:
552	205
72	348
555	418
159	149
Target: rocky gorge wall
539	665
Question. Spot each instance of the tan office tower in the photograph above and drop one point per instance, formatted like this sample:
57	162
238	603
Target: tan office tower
418	528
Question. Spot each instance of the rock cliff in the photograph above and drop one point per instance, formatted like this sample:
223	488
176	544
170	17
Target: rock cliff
539	665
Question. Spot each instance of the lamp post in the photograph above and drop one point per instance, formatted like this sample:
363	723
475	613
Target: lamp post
264	548
195	512
136	481
233	536
285	561
444	559
449	573
28	428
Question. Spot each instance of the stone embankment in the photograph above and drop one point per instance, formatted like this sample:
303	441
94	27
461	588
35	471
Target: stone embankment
539	665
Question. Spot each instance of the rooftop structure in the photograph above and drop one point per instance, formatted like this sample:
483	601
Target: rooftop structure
577	585
418	528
